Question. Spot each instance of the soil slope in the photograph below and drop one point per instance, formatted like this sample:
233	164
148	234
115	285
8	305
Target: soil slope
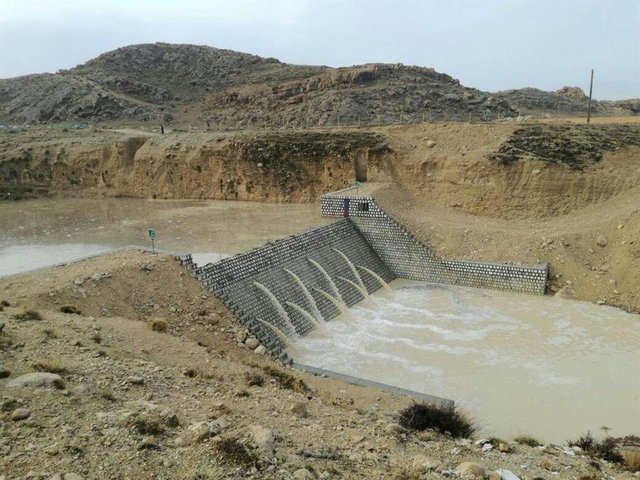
195	402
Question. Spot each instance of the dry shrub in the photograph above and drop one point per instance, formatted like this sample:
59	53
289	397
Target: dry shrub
527	440
606	449
70	309
4	303
442	418
157	324
27	313
286	380
145	424
253	379
51	366
235	451
631	460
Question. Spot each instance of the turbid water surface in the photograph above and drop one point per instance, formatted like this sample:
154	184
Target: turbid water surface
519	364
43	232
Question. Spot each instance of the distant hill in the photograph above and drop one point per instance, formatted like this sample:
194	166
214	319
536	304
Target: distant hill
195	84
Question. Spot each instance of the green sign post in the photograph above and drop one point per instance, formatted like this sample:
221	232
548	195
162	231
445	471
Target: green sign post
358	184
152	236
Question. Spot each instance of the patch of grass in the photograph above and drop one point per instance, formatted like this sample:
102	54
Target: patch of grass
157	324
27	313
253	379
233	450
527	440
51	366
287	380
70	309
606	449
442	418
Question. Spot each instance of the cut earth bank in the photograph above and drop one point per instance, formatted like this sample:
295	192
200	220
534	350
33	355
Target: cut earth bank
195	401
560	194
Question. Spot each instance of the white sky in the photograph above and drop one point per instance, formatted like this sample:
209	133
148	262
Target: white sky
486	44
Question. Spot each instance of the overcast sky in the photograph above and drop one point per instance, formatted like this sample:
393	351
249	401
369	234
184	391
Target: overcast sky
486	44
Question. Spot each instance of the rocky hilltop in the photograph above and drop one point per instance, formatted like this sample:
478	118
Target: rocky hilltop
226	89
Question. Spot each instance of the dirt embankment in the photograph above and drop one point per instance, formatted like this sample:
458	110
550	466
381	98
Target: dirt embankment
274	167
194	401
526	193
575	207
514	172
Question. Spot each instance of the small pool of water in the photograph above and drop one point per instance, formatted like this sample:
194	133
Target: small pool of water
519	364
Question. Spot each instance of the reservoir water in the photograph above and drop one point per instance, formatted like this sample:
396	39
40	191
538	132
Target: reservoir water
44	232
519	364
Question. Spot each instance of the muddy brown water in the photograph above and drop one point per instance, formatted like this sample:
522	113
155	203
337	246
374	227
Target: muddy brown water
44	232
519	364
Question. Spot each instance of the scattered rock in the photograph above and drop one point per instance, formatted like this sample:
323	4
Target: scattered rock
602	240
303	474
198	433
430	144
241	336
299	409
133	380
36	379
252	343
470	470
20	414
263	438
72	476
261	350
78	281
507	475
422	464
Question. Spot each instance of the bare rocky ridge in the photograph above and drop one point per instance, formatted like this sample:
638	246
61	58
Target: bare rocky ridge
189	84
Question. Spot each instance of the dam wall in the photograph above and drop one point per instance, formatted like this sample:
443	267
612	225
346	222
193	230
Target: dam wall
314	257
408	257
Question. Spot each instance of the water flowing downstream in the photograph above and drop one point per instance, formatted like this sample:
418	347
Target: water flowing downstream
352	267
333	286
519	364
362	291
380	280
308	296
290	329
312	321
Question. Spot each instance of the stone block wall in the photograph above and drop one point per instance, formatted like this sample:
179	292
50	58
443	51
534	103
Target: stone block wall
408	257
233	279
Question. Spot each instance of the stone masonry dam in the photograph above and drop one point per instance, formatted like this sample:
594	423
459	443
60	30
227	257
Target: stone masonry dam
284	289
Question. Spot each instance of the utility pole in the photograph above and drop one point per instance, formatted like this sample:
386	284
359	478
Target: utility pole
590	93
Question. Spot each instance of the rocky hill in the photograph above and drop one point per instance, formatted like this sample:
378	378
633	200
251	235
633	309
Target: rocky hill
199	84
